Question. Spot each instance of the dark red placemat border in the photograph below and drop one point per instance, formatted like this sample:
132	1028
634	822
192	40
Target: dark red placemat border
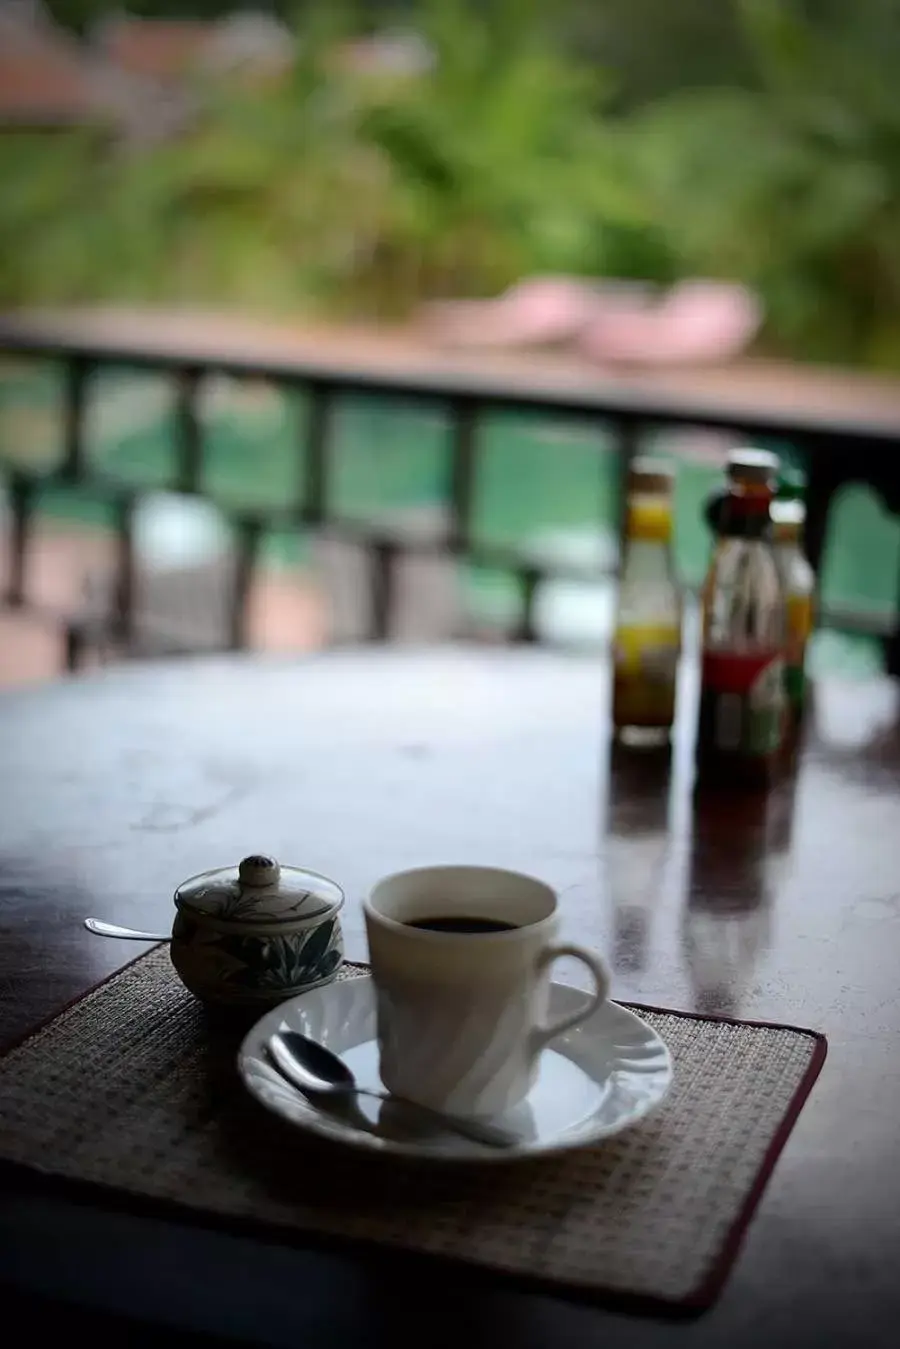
696	1302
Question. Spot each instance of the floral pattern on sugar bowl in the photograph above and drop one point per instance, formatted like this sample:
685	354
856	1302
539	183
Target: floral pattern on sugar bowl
256	933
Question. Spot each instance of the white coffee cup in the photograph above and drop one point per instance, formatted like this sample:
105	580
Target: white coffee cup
462	1015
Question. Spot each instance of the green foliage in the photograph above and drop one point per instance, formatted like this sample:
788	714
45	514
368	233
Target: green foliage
253	206
657	46
354	192
794	185
495	159
340	189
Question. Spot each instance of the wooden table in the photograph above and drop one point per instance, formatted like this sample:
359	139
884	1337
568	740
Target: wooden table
118	786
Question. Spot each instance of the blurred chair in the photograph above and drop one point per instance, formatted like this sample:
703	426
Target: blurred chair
186	596
183	585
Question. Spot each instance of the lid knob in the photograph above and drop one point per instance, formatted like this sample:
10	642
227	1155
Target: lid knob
257	870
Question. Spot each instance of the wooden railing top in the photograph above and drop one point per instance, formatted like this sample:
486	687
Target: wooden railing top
748	396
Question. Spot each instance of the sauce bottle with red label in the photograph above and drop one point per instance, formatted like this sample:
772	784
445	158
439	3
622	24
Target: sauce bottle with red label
743	707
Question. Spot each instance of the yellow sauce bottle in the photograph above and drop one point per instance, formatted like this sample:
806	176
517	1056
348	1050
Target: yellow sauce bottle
647	642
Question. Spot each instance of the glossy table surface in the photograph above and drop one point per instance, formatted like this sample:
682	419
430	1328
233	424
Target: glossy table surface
783	906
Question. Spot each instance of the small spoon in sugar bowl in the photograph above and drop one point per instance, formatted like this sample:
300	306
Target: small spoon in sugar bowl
102	929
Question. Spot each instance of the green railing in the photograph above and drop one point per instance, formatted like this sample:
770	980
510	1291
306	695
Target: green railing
520	487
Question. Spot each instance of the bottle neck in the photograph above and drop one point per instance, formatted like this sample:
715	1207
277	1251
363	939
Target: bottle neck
647	584
786	538
745	513
788	520
648	519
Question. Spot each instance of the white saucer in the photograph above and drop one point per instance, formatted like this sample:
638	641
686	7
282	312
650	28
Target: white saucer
598	1079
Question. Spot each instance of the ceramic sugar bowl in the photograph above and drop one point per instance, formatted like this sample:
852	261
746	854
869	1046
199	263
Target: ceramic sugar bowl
256	933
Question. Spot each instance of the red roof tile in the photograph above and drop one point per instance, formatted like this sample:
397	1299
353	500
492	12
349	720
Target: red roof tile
155	48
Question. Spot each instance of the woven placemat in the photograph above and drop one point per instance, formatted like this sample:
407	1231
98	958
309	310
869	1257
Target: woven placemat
134	1089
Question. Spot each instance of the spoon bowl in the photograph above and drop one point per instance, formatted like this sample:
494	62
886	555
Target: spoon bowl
317	1072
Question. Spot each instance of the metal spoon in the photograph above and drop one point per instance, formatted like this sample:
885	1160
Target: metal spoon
316	1071
101	929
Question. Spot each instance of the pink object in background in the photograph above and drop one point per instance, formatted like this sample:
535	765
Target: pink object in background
537	311
611	322
697	321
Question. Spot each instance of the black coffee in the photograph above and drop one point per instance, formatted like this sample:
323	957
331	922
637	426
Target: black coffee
460	923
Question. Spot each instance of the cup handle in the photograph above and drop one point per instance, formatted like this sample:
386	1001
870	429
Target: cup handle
542	1035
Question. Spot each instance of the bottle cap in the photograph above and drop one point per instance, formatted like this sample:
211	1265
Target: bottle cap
752	467
788	519
648	476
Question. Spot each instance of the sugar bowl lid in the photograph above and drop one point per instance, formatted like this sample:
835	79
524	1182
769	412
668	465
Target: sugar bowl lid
258	892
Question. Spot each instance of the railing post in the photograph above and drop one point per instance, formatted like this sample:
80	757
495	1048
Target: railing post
249	534
382	555
317	439
464	414
530	579
188	430
123	613
74	646
21	494
76	372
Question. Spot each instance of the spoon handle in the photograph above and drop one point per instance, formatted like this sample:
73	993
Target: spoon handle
475	1130
102	929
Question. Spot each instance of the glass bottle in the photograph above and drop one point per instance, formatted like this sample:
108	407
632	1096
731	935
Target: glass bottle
742	698
736	465
647	642
799	584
